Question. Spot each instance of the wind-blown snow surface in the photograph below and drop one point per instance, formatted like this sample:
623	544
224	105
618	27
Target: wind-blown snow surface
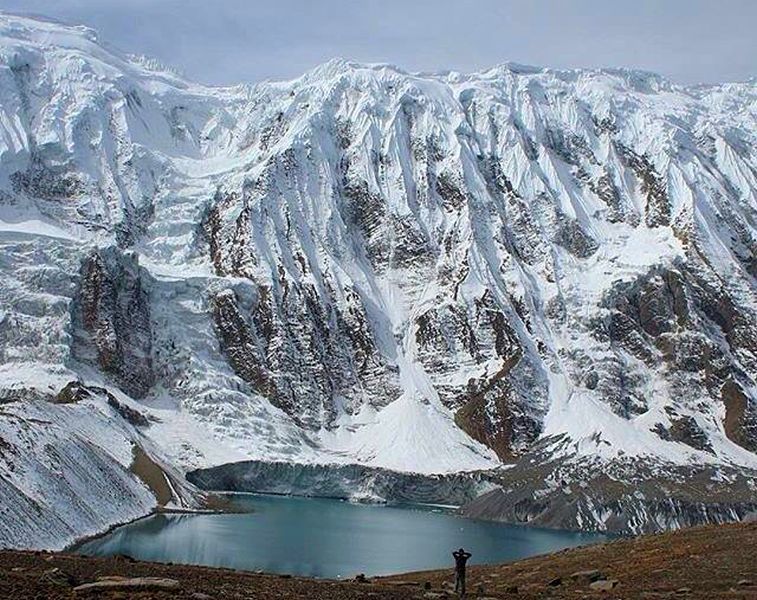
428	273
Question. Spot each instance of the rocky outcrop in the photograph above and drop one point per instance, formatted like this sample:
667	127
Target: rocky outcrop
238	342
622	498
72	392
740	422
670	320
303	356
111	319
651	184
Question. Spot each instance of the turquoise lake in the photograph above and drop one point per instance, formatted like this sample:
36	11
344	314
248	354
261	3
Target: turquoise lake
327	538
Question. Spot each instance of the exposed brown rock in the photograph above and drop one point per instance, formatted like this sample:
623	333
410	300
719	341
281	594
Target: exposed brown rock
740	425
71	393
475	418
658	208
151	475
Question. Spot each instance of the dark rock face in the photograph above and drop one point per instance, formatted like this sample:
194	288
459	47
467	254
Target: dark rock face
132	416
491	409
72	393
686	430
75	391
111	318
571	236
740	417
239	343
675	317
604	187
303	356
448	186
652	185
493	416
643	311
239	260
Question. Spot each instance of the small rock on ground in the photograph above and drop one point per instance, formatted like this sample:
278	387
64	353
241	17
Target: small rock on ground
604	585
589	575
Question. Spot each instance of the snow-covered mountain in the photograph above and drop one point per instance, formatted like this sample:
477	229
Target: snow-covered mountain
512	270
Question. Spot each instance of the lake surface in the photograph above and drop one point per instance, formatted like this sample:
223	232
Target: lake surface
327	538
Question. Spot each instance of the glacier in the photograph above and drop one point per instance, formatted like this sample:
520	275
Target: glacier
545	276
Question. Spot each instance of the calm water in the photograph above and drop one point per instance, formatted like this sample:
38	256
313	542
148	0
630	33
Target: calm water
327	538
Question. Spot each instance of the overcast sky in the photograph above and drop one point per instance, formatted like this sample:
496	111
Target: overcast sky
232	41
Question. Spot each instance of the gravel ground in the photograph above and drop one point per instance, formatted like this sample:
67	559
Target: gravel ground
704	563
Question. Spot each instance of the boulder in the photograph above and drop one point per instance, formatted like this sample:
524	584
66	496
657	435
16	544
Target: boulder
123	584
604	585
587	576
58	577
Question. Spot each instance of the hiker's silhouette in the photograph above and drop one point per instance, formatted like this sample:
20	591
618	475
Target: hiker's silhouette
461	557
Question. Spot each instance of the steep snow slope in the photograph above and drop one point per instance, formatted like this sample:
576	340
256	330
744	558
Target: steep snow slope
431	273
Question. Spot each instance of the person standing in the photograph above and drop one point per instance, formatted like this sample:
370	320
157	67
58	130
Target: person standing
461	557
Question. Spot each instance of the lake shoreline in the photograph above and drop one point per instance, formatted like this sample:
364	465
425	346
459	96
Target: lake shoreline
713	561
302	536
451	509
73	546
